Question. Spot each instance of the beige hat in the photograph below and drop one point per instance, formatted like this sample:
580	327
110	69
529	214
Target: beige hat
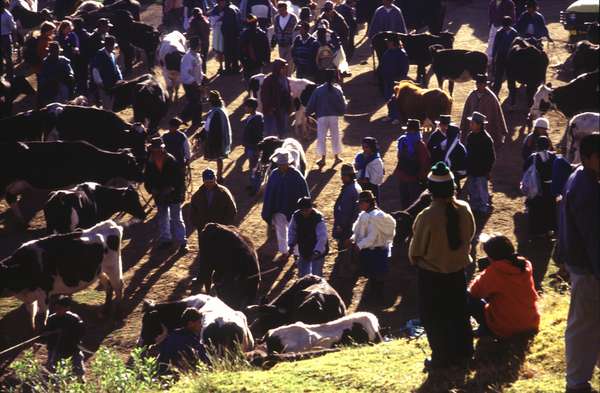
541	122
282	156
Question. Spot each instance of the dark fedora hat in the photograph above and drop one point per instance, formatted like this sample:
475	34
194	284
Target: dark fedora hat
444	119
478	117
412	125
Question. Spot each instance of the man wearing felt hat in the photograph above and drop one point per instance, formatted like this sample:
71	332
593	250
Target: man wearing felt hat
165	181
212	202
345	209
484	101
255	51
413	163
307	236
541	126
445	145
480	161
285	186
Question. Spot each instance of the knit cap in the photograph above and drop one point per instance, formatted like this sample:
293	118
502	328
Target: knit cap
440	181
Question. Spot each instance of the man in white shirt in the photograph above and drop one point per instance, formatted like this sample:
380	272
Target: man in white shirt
374	232
7	26
191	78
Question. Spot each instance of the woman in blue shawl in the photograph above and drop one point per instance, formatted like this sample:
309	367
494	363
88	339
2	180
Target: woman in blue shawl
217	133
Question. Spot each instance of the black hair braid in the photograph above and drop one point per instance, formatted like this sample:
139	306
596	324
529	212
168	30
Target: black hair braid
453	226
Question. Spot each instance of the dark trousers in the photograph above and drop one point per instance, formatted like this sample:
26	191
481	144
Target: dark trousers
409	193
193	105
542	214
499	74
231	55
349	45
477	311
443	308
204	56
6	63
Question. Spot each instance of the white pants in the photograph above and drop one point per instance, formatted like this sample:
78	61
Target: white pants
492	37
331	124
281	223
582	337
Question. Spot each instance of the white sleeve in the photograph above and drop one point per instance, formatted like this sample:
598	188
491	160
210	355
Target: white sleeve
321	231
375	172
369	240
96	76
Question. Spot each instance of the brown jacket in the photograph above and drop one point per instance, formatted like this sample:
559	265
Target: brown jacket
222	209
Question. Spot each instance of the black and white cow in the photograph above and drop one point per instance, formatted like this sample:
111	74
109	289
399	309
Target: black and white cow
55	165
582	94
357	328
147	97
579	126
64	264
456	65
228	259
222	327
267	147
526	63
103	129
88	204
170	52
310	299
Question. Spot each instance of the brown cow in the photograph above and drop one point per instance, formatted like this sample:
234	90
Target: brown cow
415	102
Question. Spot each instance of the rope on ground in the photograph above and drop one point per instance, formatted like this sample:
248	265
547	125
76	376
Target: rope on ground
27	342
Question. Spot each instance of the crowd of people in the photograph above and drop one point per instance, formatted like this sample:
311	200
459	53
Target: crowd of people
454	165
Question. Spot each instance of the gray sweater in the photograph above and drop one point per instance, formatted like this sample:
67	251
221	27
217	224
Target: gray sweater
327	100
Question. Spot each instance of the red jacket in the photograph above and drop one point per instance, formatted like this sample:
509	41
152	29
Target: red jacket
422	162
511	298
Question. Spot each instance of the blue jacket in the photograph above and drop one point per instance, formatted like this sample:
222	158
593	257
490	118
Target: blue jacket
181	348
283	192
580	229
107	67
394	65
537	20
345	211
304	54
253	130
327	100
503	42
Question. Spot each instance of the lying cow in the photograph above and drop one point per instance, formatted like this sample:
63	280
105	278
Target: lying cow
222	327
357	328
579	95
579	126
103	129
526	63
147	97
456	65
170	52
228	259
64	264
310	299
88	204
55	165
424	104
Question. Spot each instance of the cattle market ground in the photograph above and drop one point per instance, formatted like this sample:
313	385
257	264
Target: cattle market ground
391	367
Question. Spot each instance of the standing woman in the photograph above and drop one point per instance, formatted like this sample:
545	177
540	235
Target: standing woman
69	42
369	166
440	249
217	133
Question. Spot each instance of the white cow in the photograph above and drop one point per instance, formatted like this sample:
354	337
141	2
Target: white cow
170	51
360	328
578	127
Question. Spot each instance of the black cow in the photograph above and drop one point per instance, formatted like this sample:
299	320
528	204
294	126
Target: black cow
55	165
10	90
526	63
64	264
406	218
30	19
147	97
228	259
582	94
104	129
87	204
310	299
131	34
109	10
456	65
222	327
586	57
593	32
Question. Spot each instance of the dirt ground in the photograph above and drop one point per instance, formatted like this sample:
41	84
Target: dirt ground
162	276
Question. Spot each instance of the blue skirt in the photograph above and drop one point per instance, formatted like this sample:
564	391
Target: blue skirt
374	262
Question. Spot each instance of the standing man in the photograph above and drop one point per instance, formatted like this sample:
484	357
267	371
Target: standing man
200	28
255	51
191	78
374	232
580	233
347	10
231	28
177	144
308	232
276	99
285	187
484	101
532	24
502	44
212	202
7	27
106	72
413	163
329	104
67	330
56	79
337	23
393	68
304	53
480	161
285	26
165	181
498	10
388	17
439	135
345	210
